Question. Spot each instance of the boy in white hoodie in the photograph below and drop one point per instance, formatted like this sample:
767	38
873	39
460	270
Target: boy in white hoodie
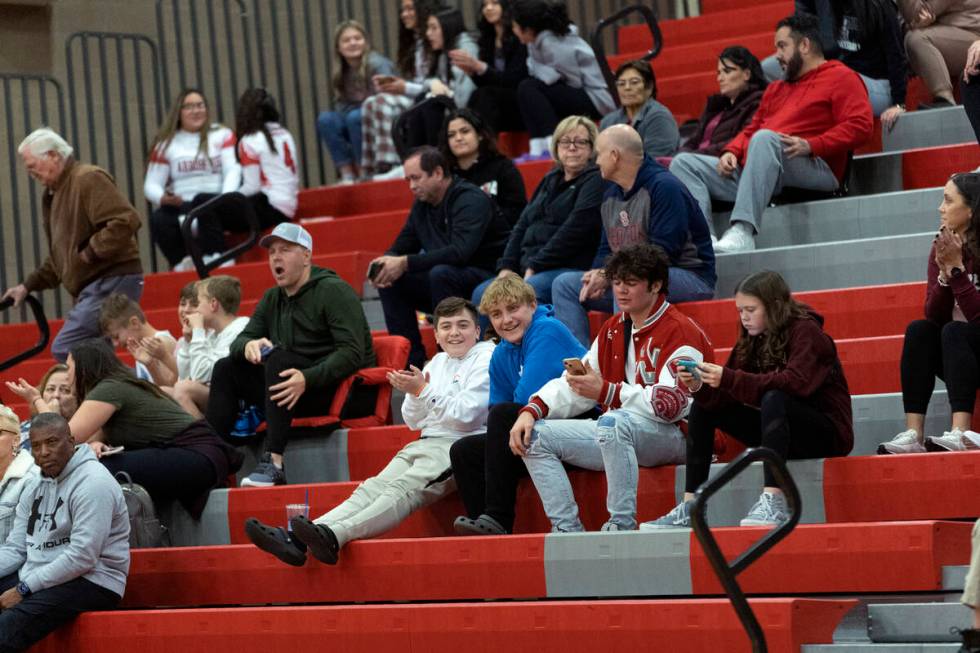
446	401
213	326
69	550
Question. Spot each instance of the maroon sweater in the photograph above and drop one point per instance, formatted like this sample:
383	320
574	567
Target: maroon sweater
962	289
812	373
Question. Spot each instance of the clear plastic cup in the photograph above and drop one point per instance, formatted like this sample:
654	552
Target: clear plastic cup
295	510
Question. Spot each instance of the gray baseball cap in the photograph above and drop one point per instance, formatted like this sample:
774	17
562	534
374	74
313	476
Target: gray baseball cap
291	233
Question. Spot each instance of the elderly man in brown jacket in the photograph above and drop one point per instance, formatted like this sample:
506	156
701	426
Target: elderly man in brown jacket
91	230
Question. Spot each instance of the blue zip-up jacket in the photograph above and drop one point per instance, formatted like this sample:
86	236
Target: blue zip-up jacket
518	371
658	209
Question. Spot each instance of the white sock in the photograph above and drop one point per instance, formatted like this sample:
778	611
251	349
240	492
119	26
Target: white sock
540	145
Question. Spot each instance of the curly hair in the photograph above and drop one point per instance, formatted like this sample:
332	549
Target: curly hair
767	350
644	261
256	107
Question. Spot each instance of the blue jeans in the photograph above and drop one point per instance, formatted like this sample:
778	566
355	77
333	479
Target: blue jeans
618	442
541	282
683	286
340	131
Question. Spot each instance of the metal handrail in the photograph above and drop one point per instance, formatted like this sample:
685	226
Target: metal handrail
649	16
726	572
194	248
42	327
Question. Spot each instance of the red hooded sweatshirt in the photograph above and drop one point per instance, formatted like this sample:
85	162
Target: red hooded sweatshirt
828	106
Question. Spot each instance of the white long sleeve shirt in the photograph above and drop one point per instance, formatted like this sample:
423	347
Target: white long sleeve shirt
456	400
189	172
196	359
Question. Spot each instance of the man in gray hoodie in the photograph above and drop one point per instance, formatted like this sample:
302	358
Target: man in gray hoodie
69	549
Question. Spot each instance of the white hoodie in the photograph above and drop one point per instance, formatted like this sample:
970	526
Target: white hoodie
20	471
456	400
196	359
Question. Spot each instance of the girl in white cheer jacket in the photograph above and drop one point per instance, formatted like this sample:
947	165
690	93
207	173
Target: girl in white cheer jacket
446	401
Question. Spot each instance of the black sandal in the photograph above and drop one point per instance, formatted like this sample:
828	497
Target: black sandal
321	541
275	541
482	525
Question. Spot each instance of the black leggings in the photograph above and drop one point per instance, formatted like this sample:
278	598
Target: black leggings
971	102
487	471
165	228
949	352
543	106
789	426
498	106
166	473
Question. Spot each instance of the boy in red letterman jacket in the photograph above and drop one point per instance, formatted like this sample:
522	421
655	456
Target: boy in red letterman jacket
630	371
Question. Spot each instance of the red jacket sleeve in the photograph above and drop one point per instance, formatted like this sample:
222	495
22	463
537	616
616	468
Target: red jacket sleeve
739	145
853	121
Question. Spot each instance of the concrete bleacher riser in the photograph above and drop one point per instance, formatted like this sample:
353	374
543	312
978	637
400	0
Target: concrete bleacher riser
843	264
917	622
928	129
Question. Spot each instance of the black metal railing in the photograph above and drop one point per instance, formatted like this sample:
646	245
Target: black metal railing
727	572
649	17
44	331
210	210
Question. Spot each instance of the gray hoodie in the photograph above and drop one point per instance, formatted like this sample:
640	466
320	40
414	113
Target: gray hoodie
70	526
552	58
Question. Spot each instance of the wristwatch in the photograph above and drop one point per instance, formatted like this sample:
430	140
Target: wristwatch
23	589
955	272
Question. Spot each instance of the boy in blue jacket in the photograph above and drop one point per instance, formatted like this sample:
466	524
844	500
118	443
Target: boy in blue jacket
532	346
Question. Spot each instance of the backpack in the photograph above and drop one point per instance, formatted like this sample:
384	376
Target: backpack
145	530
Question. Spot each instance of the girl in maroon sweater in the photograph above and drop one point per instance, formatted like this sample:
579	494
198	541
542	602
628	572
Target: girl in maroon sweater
947	342
783	387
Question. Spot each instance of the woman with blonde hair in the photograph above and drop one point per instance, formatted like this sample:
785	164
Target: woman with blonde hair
192	160
16	469
357	66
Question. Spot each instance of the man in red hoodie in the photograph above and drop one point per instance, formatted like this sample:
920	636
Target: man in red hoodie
799	137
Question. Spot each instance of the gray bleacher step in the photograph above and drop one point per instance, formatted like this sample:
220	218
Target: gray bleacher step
917	622
870	647
879	417
308	458
848	218
880	172
928	129
374	314
369	291
841	264
954	577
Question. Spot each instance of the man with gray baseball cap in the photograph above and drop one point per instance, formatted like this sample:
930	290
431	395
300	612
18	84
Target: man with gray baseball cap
305	336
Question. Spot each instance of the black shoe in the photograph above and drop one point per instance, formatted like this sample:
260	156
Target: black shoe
482	525
970	637
275	541
320	539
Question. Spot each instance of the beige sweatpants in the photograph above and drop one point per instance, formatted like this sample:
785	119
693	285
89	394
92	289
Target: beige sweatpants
971	588
937	54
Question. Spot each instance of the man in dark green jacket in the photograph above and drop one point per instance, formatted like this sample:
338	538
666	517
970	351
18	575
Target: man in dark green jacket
306	336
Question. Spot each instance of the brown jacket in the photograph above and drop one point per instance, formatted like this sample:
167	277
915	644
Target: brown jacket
91	231
964	14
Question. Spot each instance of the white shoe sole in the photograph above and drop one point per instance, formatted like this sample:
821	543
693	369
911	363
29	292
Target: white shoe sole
247	482
649	528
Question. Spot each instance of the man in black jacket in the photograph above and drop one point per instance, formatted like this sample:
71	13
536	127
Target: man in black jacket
449	244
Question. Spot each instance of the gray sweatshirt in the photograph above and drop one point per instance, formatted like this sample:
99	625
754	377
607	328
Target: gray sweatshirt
552	58
75	525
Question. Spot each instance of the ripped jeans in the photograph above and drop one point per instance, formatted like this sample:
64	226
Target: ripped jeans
618	442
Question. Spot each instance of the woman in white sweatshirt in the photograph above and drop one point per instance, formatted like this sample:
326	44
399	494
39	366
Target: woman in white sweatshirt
16	469
446	401
191	161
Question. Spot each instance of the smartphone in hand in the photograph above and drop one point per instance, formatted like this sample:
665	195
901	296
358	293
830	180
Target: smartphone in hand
374	269
574	366
111	451
691	367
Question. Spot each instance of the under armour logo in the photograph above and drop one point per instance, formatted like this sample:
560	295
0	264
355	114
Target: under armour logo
36	515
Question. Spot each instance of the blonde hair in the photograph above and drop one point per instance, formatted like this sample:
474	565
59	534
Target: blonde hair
9	420
509	289
567	125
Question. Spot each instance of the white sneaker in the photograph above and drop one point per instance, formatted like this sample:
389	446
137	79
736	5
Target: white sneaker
398	172
955	440
904	442
769	510
207	258
184	265
738	238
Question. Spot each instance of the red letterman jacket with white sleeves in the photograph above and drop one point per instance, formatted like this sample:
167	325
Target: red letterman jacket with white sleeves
642	379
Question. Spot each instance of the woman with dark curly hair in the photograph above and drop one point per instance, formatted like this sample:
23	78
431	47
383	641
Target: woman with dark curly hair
270	163
470	147
783	387
946	344
499	68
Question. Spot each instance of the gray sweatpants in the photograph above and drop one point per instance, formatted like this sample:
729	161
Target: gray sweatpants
82	321
766	173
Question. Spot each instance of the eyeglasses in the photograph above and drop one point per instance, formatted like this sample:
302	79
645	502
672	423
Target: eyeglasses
577	142
190	106
633	81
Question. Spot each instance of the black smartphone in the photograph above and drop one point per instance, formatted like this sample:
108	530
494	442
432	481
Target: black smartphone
374	269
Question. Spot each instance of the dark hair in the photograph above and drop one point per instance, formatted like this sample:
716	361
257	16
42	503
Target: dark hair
644	70
453	306
95	362
488	33
767	351
50	422
488	140
741	57
803	26
407	37
541	15
968	185
643	261
870	16
255	108
189	293
451	23
430	158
